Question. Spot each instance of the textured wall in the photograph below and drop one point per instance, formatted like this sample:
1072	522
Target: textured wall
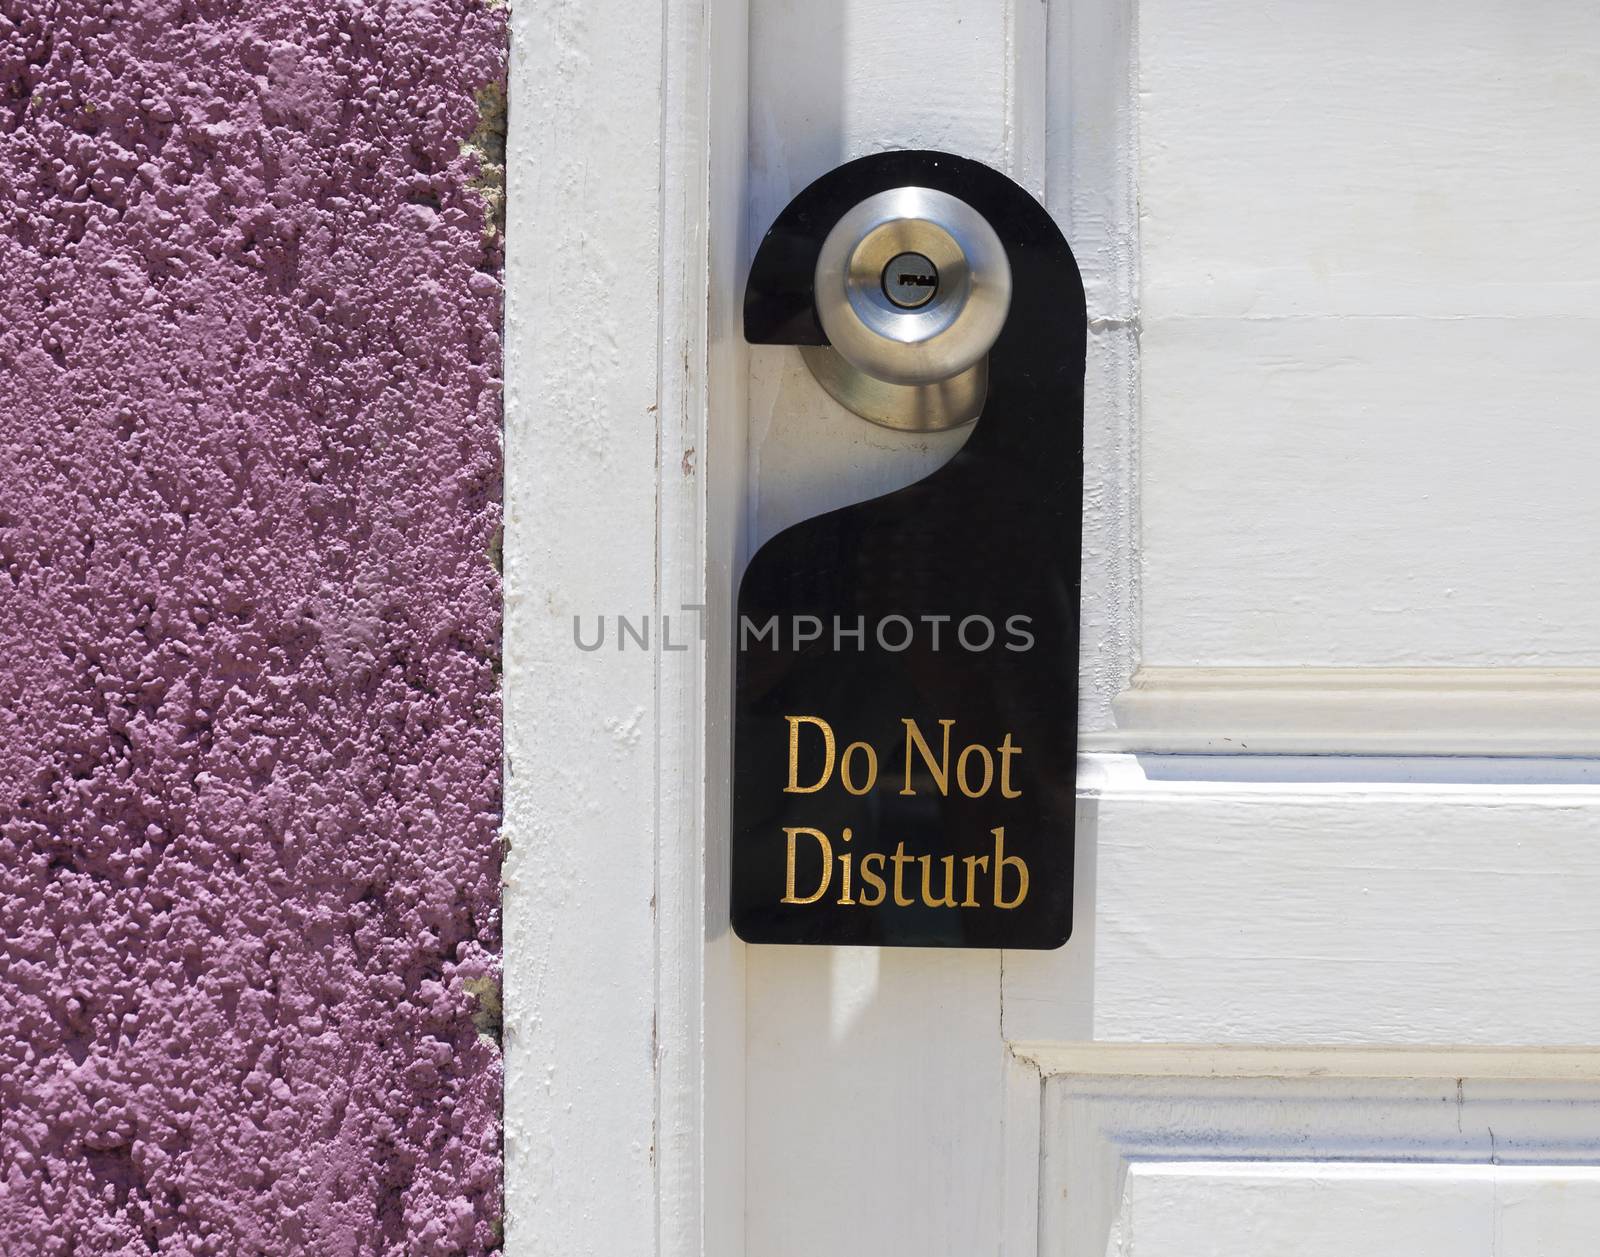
249	619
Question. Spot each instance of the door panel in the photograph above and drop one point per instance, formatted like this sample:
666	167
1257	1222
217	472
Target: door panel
1368	268
1369	492
1320	1160
1416	164
1334	1208
1317	912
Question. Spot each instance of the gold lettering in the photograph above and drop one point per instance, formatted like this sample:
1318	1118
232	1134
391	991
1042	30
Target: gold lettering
872	880
949	898
1007	750
900	860
941	771
848	777
988	771
844	869
1001	860
827	865
794	786
973	863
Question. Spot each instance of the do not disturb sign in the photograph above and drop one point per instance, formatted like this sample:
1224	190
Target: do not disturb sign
906	691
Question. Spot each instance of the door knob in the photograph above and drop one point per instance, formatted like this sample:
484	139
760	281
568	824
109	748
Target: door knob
912	288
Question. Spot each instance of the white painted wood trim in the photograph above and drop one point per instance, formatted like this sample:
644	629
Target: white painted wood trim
1027	93
1358	711
1092	193
624	434
1091	1128
1161	1060
700	458
1097	1130
1329	901
1022	1096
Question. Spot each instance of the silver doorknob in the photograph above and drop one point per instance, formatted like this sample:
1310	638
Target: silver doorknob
912	288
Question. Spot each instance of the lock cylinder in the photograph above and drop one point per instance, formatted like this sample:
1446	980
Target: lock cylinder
912	288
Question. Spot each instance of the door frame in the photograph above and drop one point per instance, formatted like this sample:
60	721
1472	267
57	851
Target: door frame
623	986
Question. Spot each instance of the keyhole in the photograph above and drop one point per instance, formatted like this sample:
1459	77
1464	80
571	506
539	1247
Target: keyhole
910	280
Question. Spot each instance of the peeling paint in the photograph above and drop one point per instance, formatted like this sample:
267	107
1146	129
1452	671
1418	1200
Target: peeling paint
487	1016
487	144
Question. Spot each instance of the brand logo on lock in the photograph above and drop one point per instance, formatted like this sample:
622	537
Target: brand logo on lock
910	280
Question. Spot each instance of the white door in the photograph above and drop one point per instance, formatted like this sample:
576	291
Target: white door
1331	988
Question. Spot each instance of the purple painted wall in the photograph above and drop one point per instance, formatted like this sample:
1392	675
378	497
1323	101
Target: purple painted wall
249	620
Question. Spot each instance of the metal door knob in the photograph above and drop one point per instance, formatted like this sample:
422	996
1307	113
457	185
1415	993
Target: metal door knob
912	288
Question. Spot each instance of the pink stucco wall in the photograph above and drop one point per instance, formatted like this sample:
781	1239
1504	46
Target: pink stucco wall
249	624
